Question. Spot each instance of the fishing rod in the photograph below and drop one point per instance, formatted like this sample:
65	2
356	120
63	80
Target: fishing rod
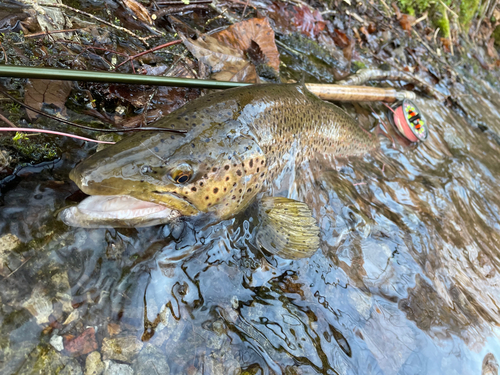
411	125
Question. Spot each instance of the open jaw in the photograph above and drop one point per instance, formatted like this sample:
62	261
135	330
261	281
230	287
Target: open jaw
116	211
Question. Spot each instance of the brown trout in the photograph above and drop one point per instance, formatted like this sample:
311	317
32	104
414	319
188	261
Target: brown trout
238	144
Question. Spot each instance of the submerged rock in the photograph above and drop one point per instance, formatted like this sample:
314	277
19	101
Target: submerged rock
39	305
47	361
83	344
151	361
113	368
121	348
93	364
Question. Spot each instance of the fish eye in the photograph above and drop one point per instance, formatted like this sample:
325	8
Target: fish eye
181	174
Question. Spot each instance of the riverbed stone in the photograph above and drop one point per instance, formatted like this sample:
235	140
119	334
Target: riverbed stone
151	361
93	364
113	368
123	348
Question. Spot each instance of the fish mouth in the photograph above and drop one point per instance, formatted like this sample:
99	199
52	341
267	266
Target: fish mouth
117	211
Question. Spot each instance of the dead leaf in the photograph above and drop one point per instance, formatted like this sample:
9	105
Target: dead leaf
340	39
139	10
281	16
490	48
406	21
40	92
307	22
255	30
227	63
396	10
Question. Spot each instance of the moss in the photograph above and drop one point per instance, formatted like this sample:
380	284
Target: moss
440	19
33	150
496	35
414	6
468	9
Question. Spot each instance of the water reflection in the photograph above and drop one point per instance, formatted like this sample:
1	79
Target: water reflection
406	280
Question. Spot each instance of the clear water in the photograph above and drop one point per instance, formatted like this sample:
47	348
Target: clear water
406	280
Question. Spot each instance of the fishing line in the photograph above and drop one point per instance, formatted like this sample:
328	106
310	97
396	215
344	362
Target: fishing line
88	127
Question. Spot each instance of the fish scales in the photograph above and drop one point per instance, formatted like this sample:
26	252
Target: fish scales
238	141
279	116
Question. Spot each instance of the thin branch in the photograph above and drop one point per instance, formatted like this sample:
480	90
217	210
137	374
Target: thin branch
7	121
47	32
130	58
32	130
22	264
144	40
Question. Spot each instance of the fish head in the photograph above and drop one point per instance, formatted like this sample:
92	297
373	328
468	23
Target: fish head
216	171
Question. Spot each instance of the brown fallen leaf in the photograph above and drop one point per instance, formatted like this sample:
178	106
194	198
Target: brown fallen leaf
227	63
139	10
40	92
406	22
257	30
281	16
340	39
307	22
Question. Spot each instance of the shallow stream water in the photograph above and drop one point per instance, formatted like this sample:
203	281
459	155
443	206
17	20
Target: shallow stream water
406	281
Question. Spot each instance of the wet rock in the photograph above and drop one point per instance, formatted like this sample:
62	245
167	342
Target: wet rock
8	242
490	365
93	364
151	361
121	348
45	360
113	368
57	342
83	344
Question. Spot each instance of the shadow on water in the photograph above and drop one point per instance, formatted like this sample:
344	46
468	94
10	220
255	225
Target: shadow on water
406	280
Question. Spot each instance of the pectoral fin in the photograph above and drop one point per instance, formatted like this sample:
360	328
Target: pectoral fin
287	228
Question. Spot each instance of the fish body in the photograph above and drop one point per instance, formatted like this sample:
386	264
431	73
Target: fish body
238	144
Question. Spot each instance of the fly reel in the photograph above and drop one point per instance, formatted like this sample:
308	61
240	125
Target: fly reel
409	121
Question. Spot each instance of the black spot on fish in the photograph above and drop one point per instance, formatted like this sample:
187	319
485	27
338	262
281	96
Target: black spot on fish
193	188
192	145
206	197
249	190
162	140
258	170
226	167
214	169
227	178
238	172
233	197
216	190
241	190
201	184
251	163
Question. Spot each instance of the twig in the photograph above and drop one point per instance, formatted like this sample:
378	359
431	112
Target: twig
449	10
483	13
178	9
144	40
364	75
4	54
31	130
22	264
7	121
173	43
47	32
417	21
